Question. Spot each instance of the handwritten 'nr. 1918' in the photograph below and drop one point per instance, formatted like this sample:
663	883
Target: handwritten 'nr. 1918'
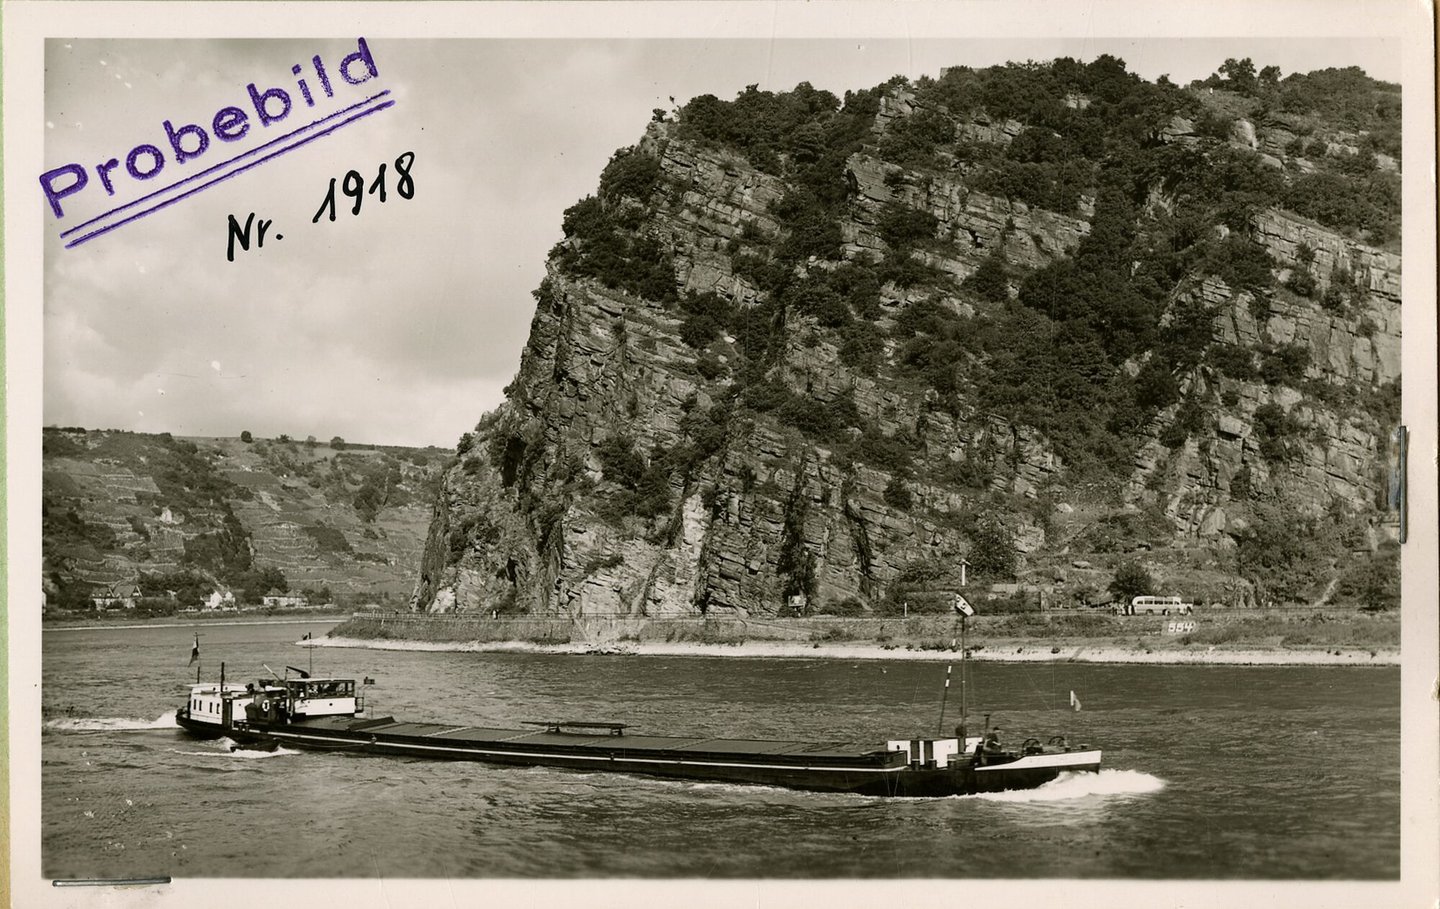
352	185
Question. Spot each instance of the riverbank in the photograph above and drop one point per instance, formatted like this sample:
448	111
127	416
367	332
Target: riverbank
186	620
999	652
1238	638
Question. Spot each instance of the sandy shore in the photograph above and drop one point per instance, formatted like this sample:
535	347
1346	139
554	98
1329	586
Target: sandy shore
192	620
994	651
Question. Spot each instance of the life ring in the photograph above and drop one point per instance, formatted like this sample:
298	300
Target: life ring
265	705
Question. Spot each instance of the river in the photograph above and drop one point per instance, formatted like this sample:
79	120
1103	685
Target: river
1280	773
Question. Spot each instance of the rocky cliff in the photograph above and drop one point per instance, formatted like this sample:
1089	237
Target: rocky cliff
800	356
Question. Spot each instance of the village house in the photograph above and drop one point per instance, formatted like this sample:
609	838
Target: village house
219	600
283	600
120	595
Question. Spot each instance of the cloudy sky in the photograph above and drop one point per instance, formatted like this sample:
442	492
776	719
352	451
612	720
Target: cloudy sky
401	325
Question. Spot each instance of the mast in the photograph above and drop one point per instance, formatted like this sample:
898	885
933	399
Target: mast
962	606
965	611
963	656
944	695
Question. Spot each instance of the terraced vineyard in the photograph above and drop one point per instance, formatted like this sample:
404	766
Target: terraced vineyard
338	522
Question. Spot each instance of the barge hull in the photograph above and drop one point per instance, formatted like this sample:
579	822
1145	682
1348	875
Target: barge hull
199	729
867	770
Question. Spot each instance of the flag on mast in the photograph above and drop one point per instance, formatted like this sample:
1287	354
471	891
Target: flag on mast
1074	701
194	651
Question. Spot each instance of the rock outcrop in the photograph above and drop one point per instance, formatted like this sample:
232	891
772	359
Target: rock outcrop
559	505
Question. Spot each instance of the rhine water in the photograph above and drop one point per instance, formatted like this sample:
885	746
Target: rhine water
1210	772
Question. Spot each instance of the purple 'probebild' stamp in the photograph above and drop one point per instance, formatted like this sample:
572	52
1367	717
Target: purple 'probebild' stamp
190	142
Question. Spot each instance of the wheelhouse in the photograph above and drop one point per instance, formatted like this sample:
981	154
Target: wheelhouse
323	697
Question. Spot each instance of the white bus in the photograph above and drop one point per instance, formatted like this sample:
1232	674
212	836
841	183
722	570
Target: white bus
1158	606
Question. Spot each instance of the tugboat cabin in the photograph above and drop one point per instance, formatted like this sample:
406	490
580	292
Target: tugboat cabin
213	705
322	697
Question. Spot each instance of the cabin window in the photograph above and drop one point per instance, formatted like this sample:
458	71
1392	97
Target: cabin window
330	689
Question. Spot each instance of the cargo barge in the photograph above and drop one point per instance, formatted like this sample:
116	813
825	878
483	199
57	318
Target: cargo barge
329	715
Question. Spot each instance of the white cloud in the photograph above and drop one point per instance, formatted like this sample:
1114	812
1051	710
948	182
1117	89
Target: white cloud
401	324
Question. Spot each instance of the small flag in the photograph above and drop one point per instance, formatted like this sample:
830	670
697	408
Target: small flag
963	606
1074	701
194	652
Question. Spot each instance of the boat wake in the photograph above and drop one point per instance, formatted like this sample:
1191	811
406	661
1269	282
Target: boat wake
165	720
1064	787
1078	785
227	748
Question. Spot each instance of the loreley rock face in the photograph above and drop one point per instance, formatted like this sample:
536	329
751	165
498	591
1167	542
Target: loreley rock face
1335	455
528	518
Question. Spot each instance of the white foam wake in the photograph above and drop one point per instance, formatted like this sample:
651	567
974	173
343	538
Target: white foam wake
1079	785
165	720
224	747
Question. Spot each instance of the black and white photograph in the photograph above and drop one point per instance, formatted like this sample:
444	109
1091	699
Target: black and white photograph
739	454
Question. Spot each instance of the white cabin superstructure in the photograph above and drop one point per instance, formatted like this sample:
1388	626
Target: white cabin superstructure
214	710
323	697
932	752
216	706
